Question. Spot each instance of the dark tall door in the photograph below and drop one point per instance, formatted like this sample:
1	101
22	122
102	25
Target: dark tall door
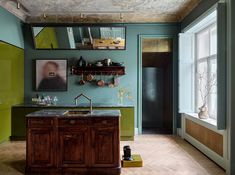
157	93
152	97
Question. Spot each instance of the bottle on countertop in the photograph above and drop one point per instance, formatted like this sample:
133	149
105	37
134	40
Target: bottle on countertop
55	100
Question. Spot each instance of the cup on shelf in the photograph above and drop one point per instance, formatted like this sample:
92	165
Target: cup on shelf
99	64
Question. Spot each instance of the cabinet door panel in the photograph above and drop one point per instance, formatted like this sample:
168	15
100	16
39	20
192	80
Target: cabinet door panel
105	142
73	147
40	147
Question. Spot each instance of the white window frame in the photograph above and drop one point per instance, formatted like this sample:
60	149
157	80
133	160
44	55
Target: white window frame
206	59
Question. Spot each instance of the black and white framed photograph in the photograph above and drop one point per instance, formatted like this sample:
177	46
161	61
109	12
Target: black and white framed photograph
51	75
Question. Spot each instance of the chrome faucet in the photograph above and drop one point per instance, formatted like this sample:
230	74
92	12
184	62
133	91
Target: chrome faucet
89	99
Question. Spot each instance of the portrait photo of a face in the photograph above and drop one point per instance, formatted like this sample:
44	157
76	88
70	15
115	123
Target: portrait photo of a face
51	75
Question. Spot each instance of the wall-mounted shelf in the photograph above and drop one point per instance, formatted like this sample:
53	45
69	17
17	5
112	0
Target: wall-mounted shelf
102	70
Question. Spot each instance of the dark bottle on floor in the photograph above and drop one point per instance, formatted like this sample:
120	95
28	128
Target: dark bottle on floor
127	153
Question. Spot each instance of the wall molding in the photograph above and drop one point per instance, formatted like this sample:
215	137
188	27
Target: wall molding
179	132
136	131
174	81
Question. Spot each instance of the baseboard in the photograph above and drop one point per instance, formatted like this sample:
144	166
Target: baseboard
179	132
4	140
17	138
127	138
136	131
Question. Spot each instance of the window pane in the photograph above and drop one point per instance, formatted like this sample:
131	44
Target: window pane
212	106
213	40
203	44
201	83
206	78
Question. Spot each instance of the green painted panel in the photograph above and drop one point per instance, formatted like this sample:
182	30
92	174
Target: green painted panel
5	129
19	124
12	84
18	121
127	121
46	38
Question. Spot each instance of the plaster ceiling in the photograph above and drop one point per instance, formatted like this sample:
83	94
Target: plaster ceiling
101	10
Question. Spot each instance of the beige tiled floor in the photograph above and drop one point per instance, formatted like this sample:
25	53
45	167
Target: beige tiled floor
162	155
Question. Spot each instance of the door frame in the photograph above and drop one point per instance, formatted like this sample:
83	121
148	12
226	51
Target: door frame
175	79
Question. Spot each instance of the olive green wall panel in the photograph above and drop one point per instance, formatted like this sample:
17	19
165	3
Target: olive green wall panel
46	38
11	84
18	128
5	130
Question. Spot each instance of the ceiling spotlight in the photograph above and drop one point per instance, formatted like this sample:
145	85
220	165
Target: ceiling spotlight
121	16
81	15
18	5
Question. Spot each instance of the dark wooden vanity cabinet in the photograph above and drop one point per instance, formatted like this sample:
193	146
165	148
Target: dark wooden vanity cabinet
40	143
72	146
104	145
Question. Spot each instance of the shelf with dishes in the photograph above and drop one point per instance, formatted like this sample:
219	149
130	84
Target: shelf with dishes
101	76
98	70
100	67
102	73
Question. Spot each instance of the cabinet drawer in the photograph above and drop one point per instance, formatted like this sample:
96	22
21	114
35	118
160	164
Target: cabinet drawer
40	122
103	122
72	122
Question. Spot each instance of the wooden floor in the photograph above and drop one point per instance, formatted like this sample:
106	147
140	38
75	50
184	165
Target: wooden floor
162	155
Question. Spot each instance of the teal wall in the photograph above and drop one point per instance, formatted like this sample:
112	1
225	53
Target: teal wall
10	29
99	95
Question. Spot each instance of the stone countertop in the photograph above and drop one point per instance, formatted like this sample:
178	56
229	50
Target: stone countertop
63	113
82	105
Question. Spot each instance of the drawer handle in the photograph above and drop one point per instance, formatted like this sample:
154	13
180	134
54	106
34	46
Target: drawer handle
68	136
72	122
37	122
104	122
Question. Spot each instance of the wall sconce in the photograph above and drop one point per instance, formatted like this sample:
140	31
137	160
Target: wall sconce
82	16
18	5
121	16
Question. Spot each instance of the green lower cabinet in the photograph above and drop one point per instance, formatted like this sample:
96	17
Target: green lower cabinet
127	122
18	123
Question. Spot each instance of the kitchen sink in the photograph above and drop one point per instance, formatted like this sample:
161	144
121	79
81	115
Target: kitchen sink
76	112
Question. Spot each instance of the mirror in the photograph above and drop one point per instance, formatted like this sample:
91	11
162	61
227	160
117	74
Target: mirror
79	37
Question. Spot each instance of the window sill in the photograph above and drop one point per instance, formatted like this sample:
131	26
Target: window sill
208	123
